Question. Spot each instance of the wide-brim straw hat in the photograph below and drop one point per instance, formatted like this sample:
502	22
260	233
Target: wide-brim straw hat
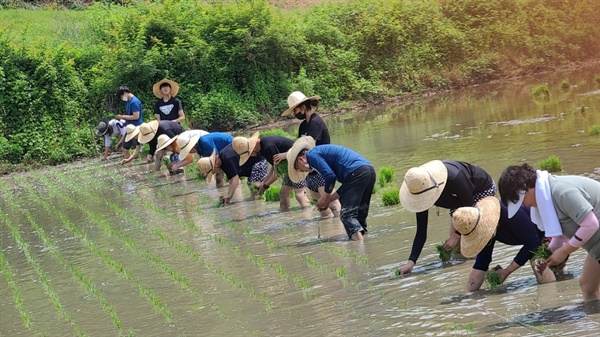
131	131
423	185
164	141
476	225
187	140
244	146
102	127
302	143
158	93
296	98
147	131
206	165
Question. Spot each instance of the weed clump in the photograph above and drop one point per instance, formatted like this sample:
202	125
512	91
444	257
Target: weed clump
390	196
386	176
565	85
275	132
551	164
541	92
594	130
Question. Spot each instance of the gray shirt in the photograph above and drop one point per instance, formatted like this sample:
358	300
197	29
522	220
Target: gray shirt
574	197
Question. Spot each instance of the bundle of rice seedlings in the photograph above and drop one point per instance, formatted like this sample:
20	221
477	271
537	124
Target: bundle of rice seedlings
219	203
492	278
167	163
543	252
272	194
445	255
253	187
282	168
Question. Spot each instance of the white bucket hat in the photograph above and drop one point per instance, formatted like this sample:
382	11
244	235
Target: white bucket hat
423	185
296	98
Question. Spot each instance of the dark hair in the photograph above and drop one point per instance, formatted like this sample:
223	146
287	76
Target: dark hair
122	89
164	84
515	179
310	104
301	153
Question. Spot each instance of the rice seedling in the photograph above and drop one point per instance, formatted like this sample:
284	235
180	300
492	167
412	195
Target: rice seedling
551	164
386	176
445	255
167	163
276	132
390	196
493	278
272	194
375	189
542	252
541	92
282	168
594	130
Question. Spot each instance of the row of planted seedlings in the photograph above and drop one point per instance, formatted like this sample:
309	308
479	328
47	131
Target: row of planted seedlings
160	305
277	267
36	265
77	274
308	259
184	248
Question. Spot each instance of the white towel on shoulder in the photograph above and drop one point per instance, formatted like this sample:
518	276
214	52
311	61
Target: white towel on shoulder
544	215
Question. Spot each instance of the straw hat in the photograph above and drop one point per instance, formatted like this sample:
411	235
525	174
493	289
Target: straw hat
147	131
187	140
131	131
296	98
476	225
206	165
164	141
102	127
423	185
158	93
302	143
244	146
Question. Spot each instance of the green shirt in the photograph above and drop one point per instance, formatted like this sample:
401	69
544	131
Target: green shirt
574	197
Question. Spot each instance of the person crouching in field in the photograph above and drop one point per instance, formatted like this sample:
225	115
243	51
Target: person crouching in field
228	163
110	128
481	226
335	162
268	147
567	208
179	148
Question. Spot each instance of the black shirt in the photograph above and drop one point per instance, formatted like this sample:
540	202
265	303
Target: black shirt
463	183
272	145
164	127
315	128
168	110
230	163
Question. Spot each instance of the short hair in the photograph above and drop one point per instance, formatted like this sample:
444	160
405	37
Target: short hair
164	84
122	89
301	153
515	179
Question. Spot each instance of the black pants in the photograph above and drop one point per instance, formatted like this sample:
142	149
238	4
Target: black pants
355	198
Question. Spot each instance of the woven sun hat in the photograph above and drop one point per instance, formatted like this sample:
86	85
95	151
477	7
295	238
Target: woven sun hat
476	225
423	185
206	166
158	93
131	131
244	146
164	141
187	140
302	143
296	98
102	127
147	131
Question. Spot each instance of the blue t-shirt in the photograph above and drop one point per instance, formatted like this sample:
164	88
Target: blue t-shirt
334	162
518	230
133	105
213	141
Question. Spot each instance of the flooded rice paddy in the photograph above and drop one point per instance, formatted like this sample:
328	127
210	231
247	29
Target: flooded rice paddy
100	249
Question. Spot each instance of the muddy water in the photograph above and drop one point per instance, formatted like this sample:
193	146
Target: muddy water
99	249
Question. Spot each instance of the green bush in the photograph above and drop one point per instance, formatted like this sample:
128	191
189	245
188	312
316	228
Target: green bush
390	196
386	176
276	132
551	164
565	85
594	130
541	92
